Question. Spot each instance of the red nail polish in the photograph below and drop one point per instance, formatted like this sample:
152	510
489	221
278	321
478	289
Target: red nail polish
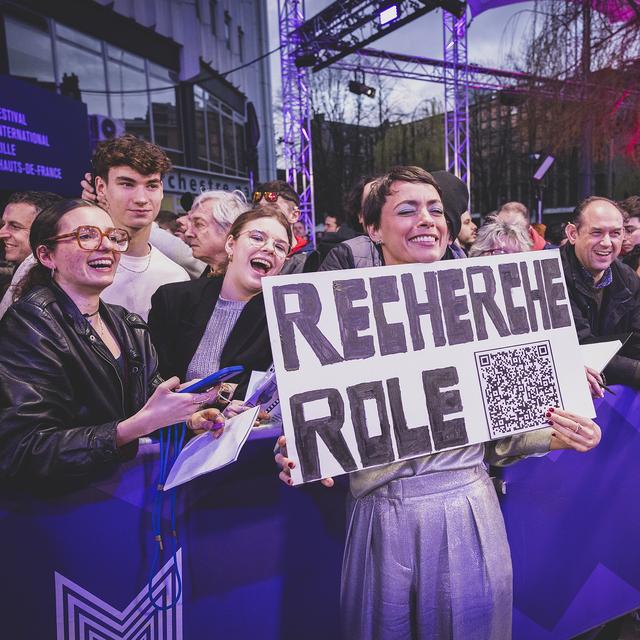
290	481
551	409
291	465
549	421
548	414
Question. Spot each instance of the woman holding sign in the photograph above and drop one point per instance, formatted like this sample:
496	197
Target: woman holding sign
78	378
426	552
203	325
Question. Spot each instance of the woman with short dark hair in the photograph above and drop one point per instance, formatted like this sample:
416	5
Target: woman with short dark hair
426	554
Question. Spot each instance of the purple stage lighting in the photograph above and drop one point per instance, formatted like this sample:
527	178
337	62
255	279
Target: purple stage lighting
388	14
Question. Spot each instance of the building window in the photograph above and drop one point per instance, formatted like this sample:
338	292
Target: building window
165	112
82	55
220	134
126	73
29	50
227	29
241	44
112	82
213	12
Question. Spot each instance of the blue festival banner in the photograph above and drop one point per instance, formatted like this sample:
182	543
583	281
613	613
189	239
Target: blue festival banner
44	139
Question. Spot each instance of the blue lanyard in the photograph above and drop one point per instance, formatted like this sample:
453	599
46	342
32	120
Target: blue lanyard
171	441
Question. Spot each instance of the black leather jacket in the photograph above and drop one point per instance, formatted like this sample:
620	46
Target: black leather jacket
62	393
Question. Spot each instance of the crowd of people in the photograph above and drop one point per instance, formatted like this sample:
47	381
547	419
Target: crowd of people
109	312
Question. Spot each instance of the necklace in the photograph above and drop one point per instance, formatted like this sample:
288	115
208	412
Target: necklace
146	266
90	315
98	327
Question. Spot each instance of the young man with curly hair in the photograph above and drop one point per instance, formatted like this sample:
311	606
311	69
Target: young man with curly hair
128	180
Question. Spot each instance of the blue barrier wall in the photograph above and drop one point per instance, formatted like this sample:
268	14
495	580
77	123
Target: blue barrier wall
573	522
261	560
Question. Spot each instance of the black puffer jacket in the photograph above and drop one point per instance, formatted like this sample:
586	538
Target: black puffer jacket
62	393
355	253
618	317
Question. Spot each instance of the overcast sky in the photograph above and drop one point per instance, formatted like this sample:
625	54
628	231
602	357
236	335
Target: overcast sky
492	36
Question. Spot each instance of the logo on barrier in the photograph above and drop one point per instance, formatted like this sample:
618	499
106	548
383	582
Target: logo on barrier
80	615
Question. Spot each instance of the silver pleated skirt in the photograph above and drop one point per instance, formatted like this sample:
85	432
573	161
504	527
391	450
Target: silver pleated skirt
426	557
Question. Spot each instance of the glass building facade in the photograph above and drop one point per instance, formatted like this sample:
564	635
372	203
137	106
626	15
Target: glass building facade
144	96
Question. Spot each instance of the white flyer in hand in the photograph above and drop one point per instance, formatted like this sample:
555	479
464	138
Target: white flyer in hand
597	355
205	453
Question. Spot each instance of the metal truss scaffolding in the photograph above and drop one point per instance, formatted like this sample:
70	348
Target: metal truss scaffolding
456	97
338	36
338	32
295	111
375	62
348	25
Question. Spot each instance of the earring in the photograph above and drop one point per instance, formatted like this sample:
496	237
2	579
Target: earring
230	256
53	272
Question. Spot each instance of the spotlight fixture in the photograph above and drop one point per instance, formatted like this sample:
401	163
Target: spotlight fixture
358	86
361	89
388	13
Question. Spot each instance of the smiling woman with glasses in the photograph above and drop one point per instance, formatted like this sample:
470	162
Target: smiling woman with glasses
78	377
216	322
260	240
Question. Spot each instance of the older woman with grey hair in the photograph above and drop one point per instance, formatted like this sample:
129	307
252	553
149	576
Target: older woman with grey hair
498	237
210	218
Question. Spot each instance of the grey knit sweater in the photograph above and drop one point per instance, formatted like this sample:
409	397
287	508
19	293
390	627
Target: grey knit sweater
206	359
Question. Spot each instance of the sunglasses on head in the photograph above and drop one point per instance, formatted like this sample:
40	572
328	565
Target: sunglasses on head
269	196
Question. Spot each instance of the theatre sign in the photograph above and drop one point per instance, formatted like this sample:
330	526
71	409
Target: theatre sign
184	180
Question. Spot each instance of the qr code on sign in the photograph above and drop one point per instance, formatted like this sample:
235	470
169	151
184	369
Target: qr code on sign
518	385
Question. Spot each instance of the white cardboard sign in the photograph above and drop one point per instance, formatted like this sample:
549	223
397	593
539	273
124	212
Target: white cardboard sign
381	364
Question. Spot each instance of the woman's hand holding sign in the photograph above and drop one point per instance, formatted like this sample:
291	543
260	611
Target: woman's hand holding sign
571	431
286	464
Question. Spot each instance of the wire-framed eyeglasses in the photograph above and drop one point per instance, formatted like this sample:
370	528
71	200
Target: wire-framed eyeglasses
89	238
259	239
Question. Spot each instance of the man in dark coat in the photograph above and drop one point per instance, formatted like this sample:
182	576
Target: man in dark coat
604	293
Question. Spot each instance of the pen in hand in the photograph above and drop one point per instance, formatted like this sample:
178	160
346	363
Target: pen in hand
604	386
